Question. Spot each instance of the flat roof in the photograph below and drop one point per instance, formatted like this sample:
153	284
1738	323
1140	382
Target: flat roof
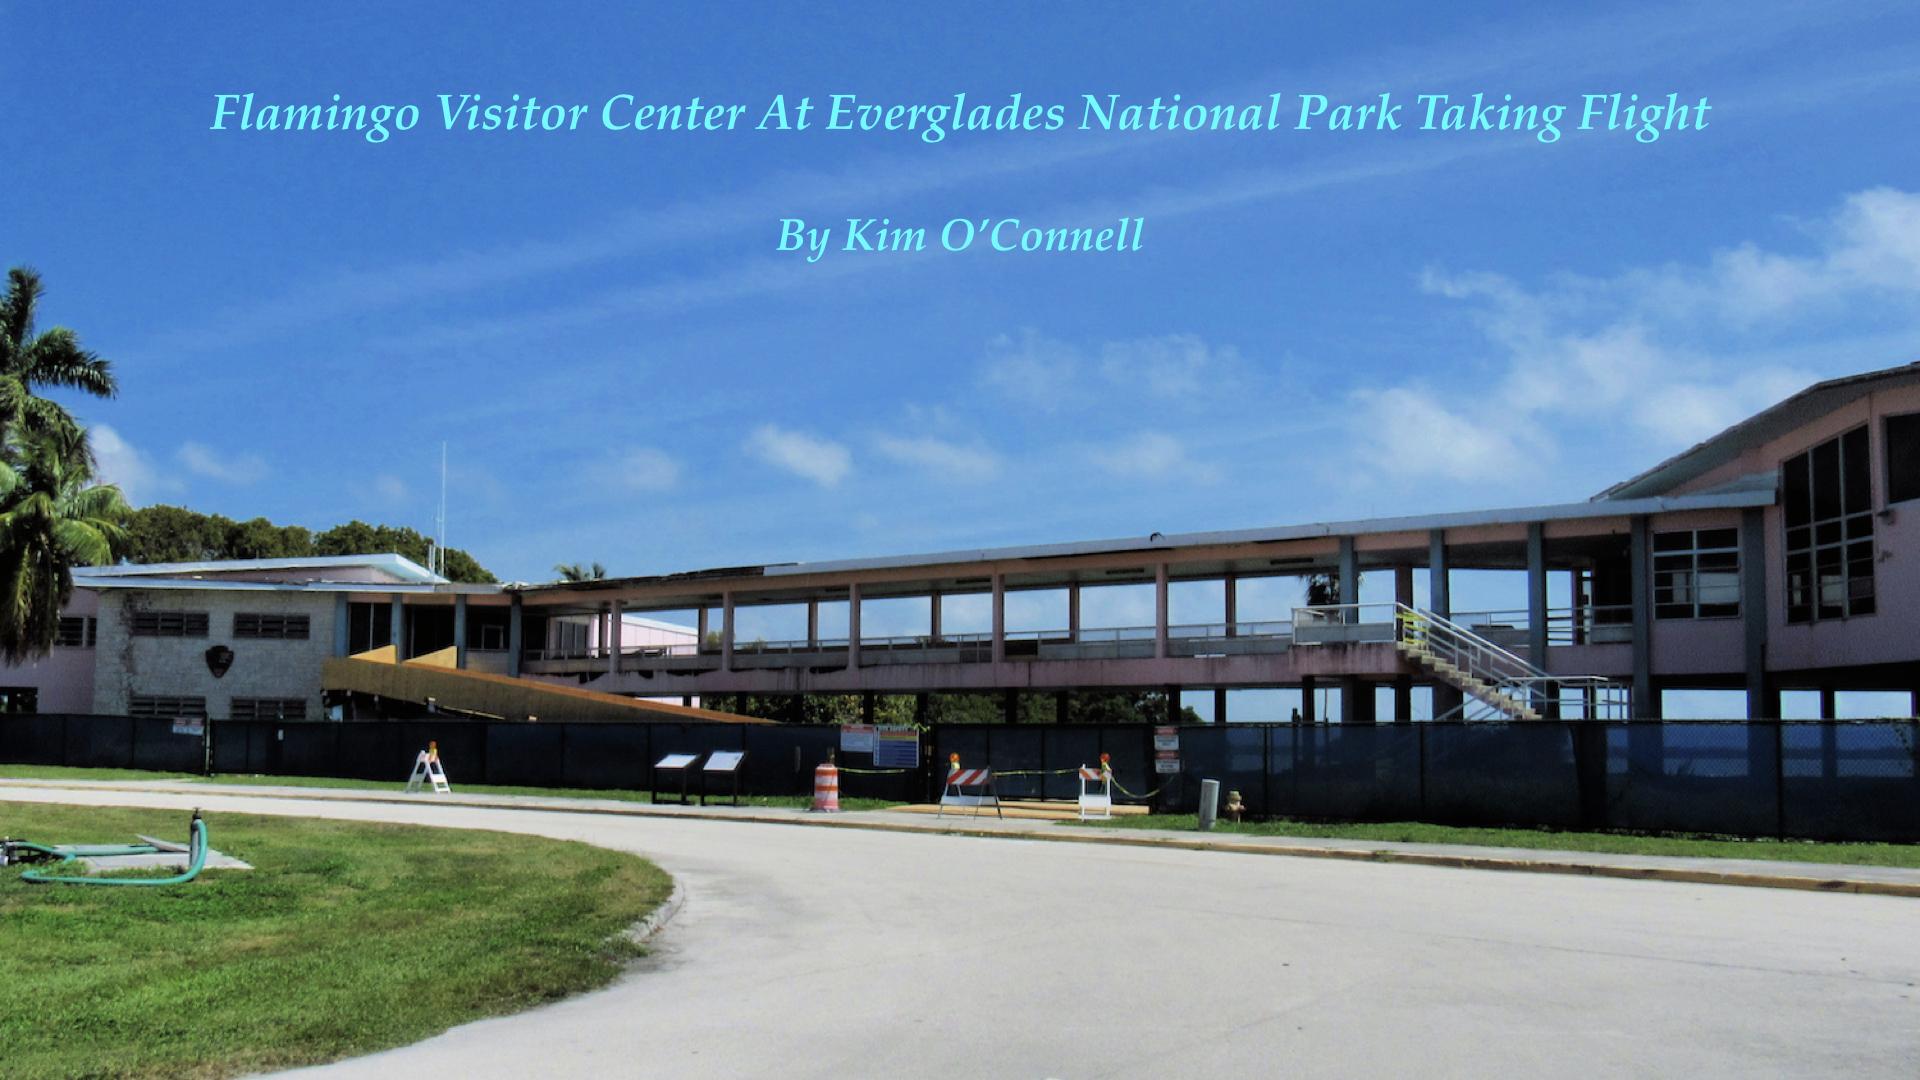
405	569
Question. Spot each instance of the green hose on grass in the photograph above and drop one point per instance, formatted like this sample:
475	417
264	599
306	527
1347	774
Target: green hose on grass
197	859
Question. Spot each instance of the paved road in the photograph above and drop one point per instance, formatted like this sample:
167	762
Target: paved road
839	953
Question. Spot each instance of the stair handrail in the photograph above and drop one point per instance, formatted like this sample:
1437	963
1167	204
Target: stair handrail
1408	619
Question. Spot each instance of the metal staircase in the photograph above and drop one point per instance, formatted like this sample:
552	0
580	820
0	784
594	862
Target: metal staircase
1496	684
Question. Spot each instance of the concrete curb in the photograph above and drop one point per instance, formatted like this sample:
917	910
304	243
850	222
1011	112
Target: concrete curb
656	920
1448	860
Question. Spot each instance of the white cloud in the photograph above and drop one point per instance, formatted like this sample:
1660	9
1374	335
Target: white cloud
1033	369
1152	455
1409	433
119	462
1672	354
820	460
646	469
948	460
391	489
203	460
1175	365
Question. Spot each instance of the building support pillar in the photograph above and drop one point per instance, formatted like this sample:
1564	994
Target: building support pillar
1062	706
1010	706
397	627
1402	684
1763	698
1546	699
342	624
1646	704
998	651
1446	698
866	707
1306	699
460	631
1160	611
726	631
1073	612
516	625
853	626
1349	580
1172	695
813	624
616	626
933	616
700	628
1219	704
1230	606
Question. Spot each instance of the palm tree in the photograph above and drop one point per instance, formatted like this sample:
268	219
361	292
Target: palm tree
52	519
576	572
30	361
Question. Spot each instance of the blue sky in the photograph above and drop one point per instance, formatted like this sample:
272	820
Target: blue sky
1323	325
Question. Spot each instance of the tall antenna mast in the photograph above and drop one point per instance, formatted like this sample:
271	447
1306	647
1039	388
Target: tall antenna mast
440	524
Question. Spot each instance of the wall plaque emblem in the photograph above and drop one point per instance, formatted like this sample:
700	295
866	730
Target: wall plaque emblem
219	659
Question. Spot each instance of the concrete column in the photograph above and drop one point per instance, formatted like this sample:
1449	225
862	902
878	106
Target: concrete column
515	624
1062	706
1829	737
1160	611
1537	594
933	615
1172	695
460	630
397	627
1403	585
616	627
1073	611
1438	594
853	625
920	708
813	624
342	624
1306	699
726	631
1646	704
1403	699
1219	704
1009	706
1231	608
1356	700
1349	579
1546	699
866	708
999	648
1763	699
700	627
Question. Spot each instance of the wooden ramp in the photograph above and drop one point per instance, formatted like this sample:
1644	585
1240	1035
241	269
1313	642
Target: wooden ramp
1031	809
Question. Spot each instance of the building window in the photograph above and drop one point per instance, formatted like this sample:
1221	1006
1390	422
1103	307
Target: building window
1696	574
1903	457
1828	497
271	626
265	708
168	624
493	638
77	632
162	705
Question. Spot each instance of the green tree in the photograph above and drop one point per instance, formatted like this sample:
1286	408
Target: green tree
52	519
577	572
30	361
359	538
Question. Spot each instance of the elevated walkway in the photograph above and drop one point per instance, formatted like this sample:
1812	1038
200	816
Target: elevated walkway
434	680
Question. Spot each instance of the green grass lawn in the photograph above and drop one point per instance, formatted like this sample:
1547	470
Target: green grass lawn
347	938
62	772
1907	855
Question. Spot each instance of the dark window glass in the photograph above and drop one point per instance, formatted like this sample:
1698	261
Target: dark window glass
168	623
163	705
1828	502
1798	492
1903	457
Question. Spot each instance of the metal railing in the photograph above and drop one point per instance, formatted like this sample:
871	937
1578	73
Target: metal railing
1593	624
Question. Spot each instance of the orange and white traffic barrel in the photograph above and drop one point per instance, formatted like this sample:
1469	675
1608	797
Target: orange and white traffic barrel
826	787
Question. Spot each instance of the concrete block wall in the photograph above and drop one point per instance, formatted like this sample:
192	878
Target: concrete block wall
126	665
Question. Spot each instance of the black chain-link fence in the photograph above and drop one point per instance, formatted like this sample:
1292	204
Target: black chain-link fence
1835	780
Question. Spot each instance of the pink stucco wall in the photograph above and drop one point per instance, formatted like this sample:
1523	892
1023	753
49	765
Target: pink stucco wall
64	677
1887	636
